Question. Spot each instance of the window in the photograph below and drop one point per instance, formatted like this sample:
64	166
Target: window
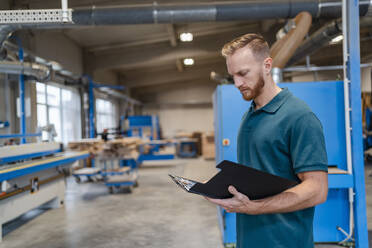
106	115
60	107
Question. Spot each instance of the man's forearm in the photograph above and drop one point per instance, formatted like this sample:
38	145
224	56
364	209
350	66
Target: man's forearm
311	191
299	197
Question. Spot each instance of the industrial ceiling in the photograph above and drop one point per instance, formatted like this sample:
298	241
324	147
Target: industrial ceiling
148	57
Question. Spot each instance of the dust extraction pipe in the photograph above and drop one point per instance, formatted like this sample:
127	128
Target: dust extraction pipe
40	72
291	41
5	32
225	11
283	49
322	37
317	40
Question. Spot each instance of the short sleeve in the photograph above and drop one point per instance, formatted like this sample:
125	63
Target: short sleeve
307	145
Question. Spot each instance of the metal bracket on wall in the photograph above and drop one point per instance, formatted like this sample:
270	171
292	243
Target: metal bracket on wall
37	16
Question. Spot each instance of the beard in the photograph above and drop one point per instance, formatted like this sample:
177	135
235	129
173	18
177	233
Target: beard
252	93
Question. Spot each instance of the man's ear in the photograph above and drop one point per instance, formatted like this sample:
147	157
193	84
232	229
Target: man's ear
267	64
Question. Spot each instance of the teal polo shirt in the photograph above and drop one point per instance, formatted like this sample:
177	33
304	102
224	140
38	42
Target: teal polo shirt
283	138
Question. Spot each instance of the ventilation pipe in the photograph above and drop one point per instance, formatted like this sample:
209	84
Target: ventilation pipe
40	72
223	11
321	38
5	32
283	49
317	40
207	12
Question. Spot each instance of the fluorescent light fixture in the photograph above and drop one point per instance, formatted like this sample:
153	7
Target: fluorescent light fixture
188	61
337	39
186	37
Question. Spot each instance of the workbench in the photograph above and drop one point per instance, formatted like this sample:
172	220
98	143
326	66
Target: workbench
32	175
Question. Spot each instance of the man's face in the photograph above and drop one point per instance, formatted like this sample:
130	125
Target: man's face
247	72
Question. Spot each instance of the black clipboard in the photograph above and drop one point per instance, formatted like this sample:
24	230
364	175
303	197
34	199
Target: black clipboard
253	183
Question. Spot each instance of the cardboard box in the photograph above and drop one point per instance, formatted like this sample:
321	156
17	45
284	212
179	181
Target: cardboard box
208	146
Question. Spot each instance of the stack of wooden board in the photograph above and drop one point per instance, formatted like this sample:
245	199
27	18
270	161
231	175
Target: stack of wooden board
118	148
91	145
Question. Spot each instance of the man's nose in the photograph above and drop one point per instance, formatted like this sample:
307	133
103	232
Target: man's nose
237	82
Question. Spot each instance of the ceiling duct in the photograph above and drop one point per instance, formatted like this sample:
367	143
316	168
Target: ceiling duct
187	13
321	38
221	11
38	71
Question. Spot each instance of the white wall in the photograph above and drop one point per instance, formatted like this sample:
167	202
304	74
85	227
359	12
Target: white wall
54	45
105	77
175	118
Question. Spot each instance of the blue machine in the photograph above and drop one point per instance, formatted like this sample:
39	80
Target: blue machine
137	125
32	175
326	99
152	153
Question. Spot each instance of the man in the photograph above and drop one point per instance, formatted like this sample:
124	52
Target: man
279	134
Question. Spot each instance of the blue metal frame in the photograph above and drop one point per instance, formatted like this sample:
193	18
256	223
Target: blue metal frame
17	135
122	184
129	162
353	70
117	87
147	157
91	86
22	100
27	156
22	118
340	181
87	174
133	164
190	154
91	109
42	166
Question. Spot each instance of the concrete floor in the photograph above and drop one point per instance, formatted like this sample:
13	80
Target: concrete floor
157	214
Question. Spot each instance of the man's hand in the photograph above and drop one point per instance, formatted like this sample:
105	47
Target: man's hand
239	203
310	192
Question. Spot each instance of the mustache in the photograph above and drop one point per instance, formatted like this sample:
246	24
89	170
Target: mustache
243	88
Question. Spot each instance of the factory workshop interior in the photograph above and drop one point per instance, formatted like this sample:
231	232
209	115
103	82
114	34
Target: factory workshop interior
105	104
